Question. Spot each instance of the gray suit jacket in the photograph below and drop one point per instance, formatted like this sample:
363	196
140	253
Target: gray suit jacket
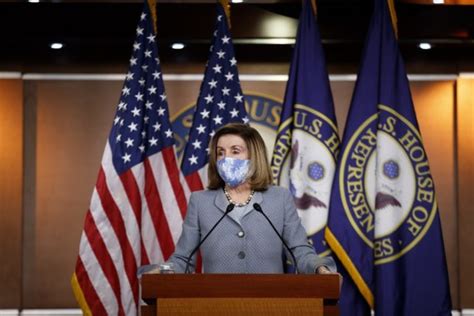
250	246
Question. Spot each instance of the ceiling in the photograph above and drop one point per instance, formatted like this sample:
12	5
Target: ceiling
98	35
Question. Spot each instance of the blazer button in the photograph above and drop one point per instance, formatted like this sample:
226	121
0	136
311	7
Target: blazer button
241	234
241	255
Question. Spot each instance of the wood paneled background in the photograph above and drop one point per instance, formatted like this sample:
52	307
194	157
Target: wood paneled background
52	135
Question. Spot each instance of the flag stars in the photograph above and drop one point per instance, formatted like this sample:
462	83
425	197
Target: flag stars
148	53
212	135
148	105
221	54
193	160
143	134
221	105
169	133
209	98
133	127
141	82
225	39
234	113
118	138
136	111
139	31
139	96
126	91
146	119
152	90
197	144
225	91
129	76
116	120
212	83
219	17
133	61
238	98
145	68
229	76
201	129
127	158
136	46
205	113
141	148
157	126
217	68
217	120
143	16
245	119
129	142
122	106
151	38
156	75
161	111
153	141
233	61
163	97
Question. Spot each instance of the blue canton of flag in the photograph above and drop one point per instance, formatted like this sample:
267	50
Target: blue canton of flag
307	143
384	223
220	101
141	125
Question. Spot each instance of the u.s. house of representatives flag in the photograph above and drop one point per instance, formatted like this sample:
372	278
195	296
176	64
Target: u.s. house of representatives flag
384	223
220	101
138	203
307	143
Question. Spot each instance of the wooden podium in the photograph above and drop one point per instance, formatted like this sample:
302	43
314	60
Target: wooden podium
239	294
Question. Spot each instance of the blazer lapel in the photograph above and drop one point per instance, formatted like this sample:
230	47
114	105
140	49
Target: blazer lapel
221	201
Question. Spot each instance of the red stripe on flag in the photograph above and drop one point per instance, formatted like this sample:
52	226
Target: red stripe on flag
194	181
103	257
173	174
93	301
157	213
117	222
133	194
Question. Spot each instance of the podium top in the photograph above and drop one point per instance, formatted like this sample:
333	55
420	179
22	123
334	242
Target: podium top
240	285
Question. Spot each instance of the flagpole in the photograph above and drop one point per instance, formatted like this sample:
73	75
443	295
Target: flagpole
393	15
226	5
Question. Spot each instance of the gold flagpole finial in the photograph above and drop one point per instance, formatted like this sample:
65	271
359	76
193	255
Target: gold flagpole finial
226	5
152	6
393	15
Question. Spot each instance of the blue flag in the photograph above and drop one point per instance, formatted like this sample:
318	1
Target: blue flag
307	143
383	223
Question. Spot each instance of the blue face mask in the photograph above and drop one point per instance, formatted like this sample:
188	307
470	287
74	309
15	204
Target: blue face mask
233	171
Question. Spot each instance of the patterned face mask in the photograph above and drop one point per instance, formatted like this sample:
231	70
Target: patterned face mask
233	171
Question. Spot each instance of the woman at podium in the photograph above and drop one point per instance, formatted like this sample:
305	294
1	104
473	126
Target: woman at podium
242	223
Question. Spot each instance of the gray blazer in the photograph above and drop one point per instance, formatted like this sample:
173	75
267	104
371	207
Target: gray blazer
250	246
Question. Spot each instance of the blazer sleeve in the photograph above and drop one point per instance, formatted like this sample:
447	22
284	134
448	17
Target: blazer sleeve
295	236
188	240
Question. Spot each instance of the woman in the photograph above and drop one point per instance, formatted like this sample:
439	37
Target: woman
244	241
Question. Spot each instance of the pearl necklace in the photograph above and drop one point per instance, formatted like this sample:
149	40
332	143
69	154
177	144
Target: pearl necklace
227	195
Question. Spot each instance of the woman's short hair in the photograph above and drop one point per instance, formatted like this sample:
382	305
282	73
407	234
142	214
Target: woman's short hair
260	176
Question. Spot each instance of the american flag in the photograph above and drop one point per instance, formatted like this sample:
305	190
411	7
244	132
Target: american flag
220	101
138	204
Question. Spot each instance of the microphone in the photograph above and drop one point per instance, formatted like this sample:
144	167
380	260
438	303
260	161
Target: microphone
258	208
229	209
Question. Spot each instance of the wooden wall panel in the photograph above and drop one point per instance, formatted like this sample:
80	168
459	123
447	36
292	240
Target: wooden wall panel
465	180
72	119
72	122
11	190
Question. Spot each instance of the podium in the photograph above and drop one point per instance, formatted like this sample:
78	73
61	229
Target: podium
240	294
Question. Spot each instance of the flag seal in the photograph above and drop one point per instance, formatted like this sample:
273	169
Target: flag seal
304	158
386	185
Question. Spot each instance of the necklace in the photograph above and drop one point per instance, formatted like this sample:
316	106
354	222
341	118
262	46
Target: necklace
227	195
